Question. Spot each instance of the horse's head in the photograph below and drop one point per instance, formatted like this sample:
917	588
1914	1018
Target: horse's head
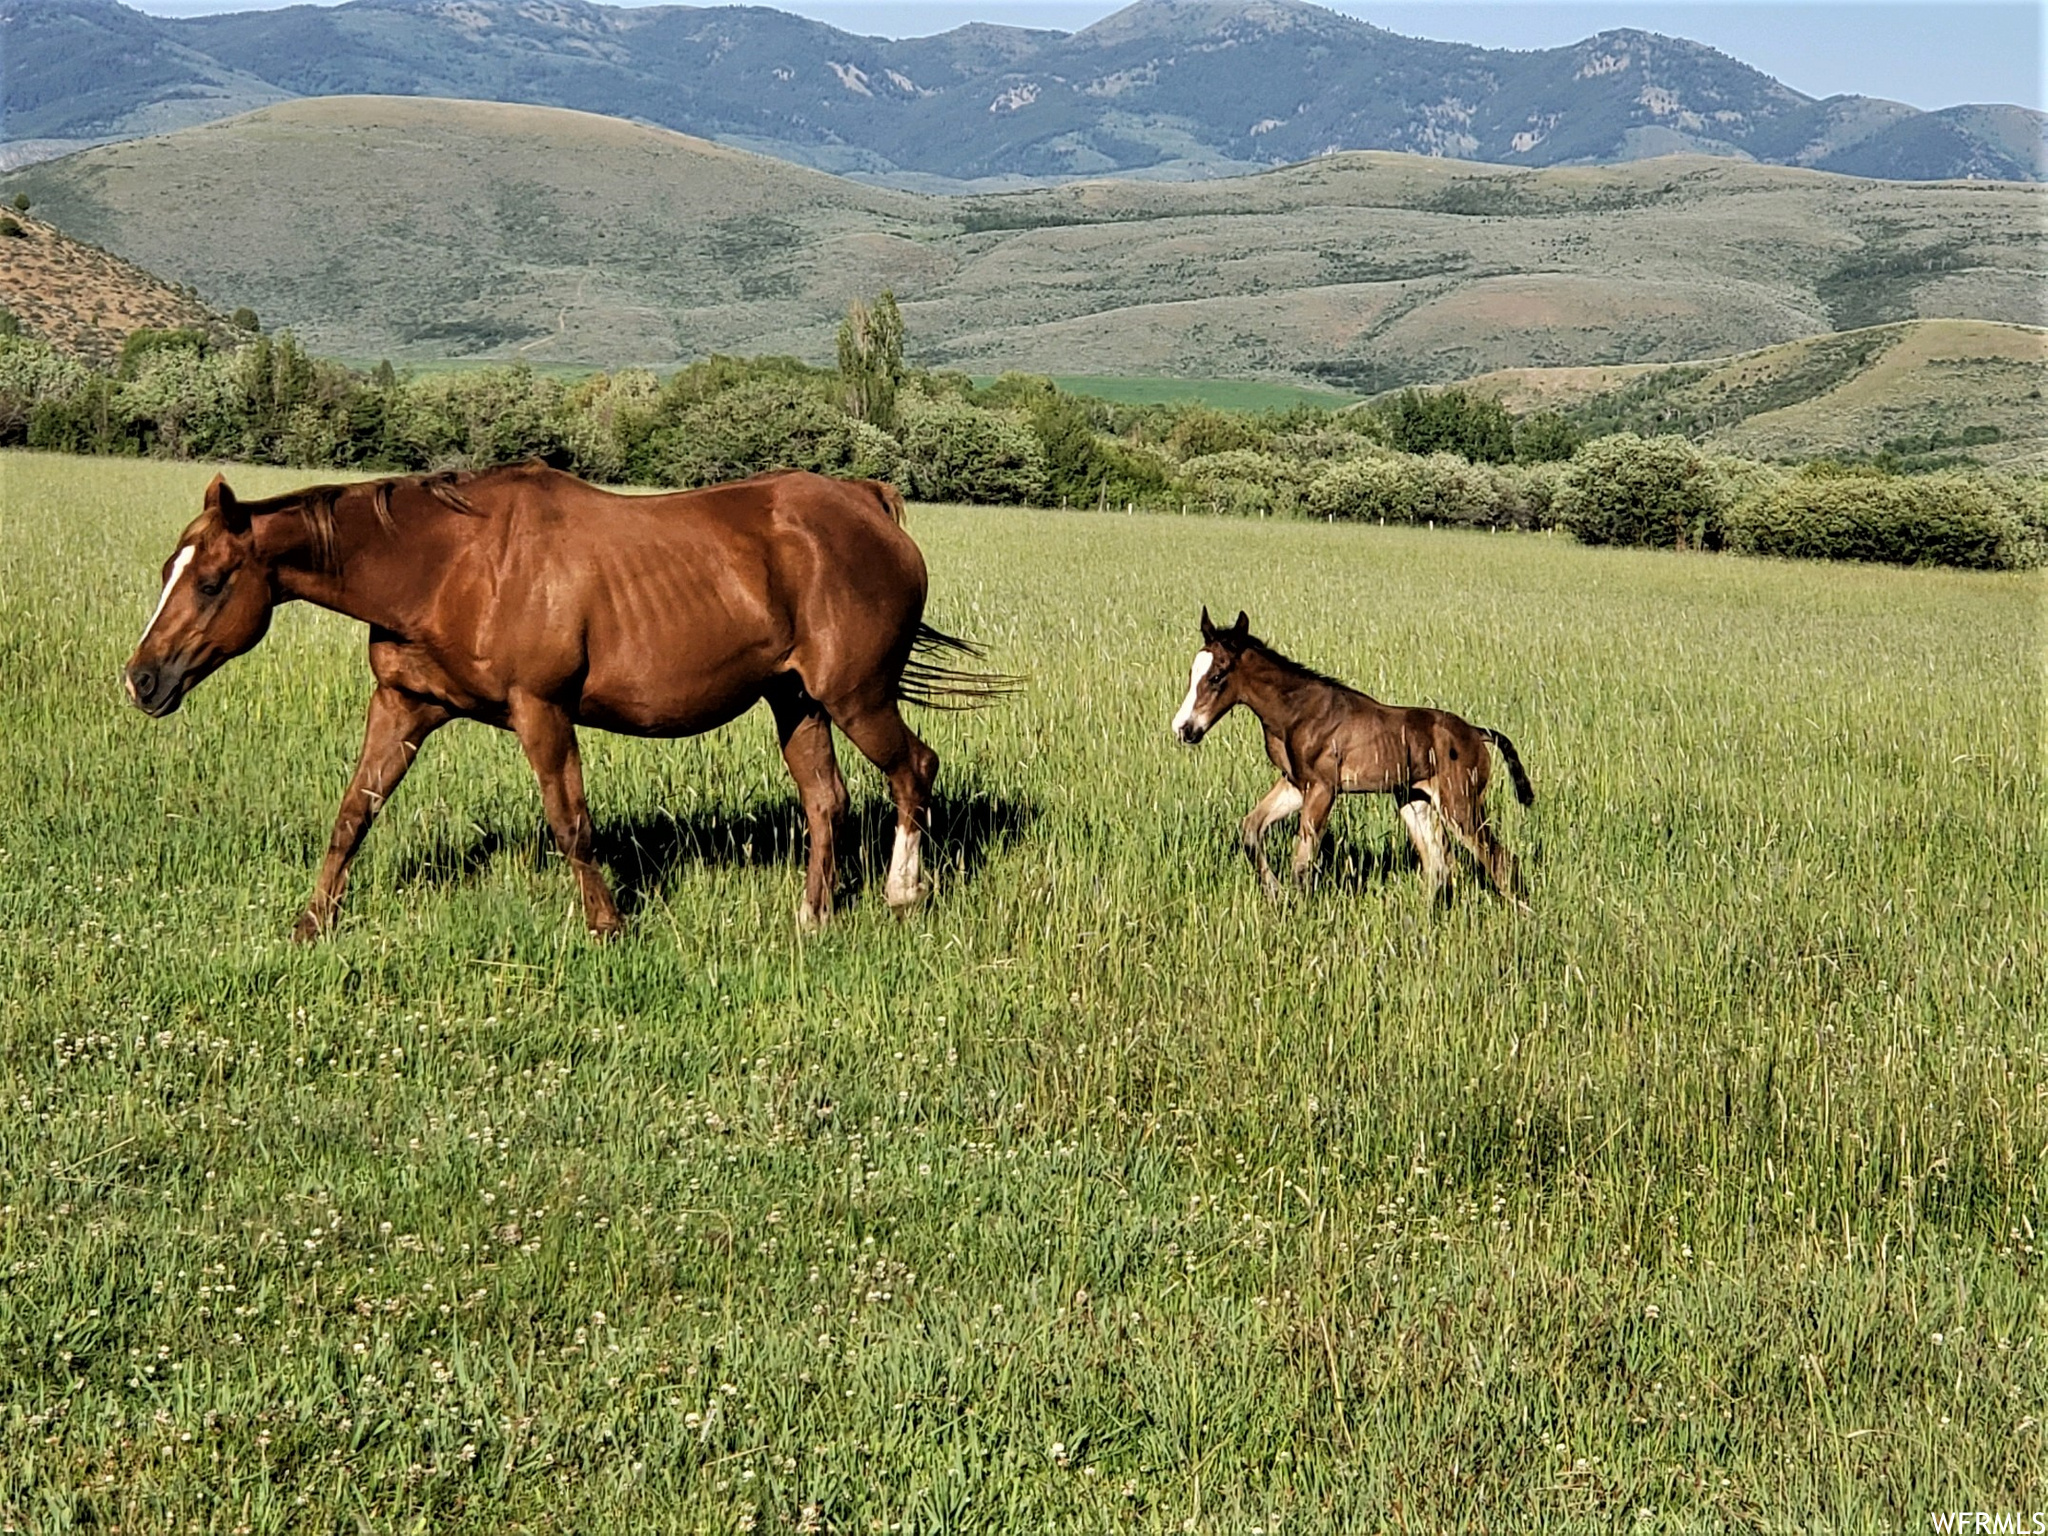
1212	680
216	604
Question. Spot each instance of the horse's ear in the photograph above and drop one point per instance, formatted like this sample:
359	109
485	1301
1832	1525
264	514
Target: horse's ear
1243	626
220	501
1208	629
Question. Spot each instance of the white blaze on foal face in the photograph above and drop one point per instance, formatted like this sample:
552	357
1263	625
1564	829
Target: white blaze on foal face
1203	662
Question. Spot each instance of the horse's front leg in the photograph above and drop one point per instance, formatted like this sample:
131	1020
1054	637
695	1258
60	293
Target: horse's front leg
548	737
398	723
1278	803
1316	799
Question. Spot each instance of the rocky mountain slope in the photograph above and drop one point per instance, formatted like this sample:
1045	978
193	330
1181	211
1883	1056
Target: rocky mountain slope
1162	88
84	301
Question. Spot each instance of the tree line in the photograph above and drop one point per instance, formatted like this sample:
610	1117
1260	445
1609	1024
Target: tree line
1416	457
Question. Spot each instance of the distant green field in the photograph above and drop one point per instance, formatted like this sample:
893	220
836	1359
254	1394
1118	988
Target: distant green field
1101	1194
1223	394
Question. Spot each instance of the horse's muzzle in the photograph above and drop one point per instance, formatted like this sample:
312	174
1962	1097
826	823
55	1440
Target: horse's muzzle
1191	734
156	691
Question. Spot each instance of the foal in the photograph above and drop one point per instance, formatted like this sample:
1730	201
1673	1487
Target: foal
1327	739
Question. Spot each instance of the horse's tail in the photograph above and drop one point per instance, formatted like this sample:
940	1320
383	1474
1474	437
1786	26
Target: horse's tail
1523	792
890	498
933	685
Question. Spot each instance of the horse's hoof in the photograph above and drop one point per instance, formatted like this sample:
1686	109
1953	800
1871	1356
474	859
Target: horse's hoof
307	929
902	896
810	919
604	932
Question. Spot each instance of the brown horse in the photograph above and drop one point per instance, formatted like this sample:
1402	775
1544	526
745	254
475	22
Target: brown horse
524	598
1327	739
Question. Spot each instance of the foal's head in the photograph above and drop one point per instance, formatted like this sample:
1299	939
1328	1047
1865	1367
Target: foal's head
1212	680
216	604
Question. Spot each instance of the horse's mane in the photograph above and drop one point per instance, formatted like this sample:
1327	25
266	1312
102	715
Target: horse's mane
317	504
1293	670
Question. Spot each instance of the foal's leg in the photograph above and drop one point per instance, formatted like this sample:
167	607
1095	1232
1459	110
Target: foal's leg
1316	800
1418	814
548	736
806	733
398	723
1280	802
910	766
1488	850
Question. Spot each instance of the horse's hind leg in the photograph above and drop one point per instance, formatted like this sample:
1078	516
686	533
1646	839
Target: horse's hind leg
806	734
910	766
398	723
1419	815
1279	802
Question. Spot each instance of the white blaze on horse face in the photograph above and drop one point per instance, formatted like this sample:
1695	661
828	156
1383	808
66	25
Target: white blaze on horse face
1203	662
177	569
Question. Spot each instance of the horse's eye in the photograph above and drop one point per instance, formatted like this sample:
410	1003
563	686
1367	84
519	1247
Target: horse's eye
211	586
1217	679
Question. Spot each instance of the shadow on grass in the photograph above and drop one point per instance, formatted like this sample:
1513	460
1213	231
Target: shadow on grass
641	854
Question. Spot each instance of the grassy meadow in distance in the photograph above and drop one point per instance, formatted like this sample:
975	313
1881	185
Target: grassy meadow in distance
1217	394
1101	1194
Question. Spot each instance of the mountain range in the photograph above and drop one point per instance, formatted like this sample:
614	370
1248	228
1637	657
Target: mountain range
421	229
1164	89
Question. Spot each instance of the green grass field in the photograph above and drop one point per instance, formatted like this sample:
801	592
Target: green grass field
1101	1194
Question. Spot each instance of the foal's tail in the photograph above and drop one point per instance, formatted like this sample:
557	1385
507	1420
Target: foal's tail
933	685
1523	792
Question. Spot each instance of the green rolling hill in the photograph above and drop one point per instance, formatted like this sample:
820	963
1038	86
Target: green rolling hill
425	230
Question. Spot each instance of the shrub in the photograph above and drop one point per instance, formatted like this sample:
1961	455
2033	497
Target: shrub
141	344
1448	421
1321	444
32	373
762	425
1632	490
479	417
244	319
876	455
1946	518
1535	489
89	419
607	420
11	227
952	451
1546	437
1437	488
22	203
1201	432
188	404
1083	467
1243	482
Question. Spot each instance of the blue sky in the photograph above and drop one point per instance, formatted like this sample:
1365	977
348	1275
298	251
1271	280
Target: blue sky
1933	53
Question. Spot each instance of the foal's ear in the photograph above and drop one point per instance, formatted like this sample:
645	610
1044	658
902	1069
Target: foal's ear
220	500
1208	629
1243	626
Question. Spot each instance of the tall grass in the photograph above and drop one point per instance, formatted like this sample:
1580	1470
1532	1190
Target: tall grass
1101	1194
